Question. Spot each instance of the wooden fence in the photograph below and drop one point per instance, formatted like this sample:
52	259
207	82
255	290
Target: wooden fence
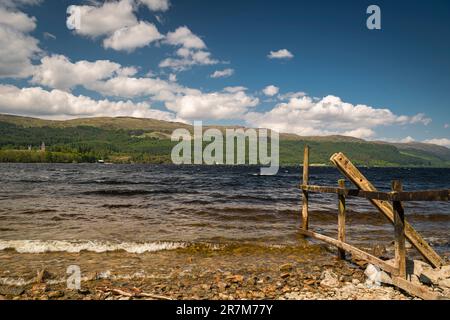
390	205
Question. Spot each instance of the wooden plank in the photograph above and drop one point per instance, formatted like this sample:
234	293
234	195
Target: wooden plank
341	219
353	250
348	192
305	213
416	290
399	225
355	176
430	195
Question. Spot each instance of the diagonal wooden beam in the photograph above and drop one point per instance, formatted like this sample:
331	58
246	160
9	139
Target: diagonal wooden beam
357	178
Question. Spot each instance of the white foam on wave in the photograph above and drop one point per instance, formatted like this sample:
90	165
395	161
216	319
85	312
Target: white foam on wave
42	246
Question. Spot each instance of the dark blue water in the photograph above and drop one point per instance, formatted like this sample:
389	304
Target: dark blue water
215	204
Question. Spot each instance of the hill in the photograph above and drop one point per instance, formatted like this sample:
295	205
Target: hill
127	140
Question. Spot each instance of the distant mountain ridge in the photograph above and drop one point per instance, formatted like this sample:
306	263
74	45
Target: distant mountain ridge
126	139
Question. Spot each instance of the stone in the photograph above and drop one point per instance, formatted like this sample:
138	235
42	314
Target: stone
2	298
445	283
285	275
429	276
329	279
415	280
39	287
84	291
235	278
55	294
206	287
377	276
222	286
309	282
11	291
286	267
416	267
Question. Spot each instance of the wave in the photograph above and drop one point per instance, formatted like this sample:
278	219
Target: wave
43	246
127	192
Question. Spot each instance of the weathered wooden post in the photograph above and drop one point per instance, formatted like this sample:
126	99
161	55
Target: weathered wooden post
305	218
341	219
399	225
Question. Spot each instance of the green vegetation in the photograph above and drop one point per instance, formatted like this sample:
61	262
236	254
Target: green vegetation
129	140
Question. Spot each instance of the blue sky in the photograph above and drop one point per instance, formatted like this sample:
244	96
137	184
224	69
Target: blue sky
338	78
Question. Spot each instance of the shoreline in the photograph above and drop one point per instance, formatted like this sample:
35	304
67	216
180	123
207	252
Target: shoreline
169	163
237	273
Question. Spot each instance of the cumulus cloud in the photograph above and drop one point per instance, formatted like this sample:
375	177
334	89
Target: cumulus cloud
156	5
231	104
444	142
57	104
187	59
17	20
327	116
184	37
18	3
131	38
222	73
271	90
17	48
192	51
105	77
59	72
105	19
280	54
130	87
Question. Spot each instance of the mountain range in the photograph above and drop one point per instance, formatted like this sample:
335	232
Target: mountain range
136	140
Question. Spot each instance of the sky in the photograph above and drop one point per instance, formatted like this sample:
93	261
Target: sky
304	67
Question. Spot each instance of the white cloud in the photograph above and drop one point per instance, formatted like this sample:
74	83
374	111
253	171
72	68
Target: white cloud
185	38
105	19
187	59
173	77
440	142
271	90
157	5
17	48
234	89
59	72
327	116
105	77
192	51
131	38
58	104
408	139
280	54
17	20
217	105
362	133
18	3
127	87
290	95
222	73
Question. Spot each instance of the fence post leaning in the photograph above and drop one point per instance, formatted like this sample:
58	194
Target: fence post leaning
399	225
305	217
341	219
